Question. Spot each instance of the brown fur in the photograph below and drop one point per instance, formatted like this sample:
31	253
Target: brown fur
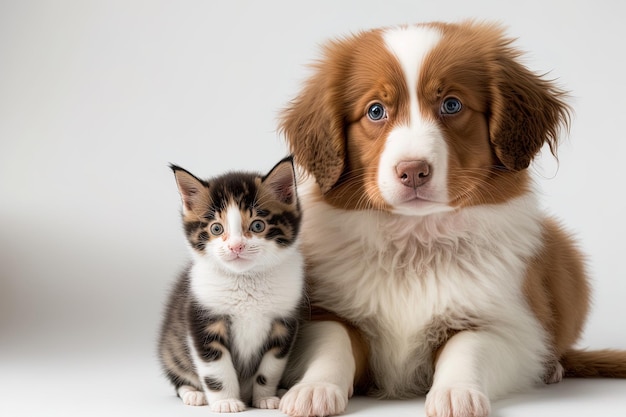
559	295
557	289
472	63
589	364
510	113
525	111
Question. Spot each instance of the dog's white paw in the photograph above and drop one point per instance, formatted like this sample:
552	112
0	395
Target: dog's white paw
314	399
230	405
269	403
457	402
193	398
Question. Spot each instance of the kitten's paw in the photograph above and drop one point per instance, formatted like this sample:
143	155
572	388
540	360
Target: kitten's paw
231	405
314	399
270	403
193	398
457	402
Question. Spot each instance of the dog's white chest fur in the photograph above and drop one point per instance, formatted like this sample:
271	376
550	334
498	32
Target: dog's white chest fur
408	282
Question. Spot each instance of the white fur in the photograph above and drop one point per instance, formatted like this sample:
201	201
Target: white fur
420	139
410	45
264	396
392	275
257	298
247	299
234	229
191	396
227	399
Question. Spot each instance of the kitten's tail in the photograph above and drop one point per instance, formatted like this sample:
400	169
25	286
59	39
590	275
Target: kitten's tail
606	363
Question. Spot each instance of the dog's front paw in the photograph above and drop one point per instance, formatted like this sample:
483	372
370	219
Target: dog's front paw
457	402
314	399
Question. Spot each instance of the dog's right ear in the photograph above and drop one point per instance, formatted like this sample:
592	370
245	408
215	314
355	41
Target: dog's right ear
313	123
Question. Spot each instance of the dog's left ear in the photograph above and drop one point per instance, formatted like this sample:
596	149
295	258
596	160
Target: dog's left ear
526	112
313	123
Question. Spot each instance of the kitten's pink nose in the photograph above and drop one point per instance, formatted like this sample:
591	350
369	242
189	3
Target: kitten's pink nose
237	247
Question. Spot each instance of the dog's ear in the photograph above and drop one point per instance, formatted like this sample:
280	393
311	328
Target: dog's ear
313	124
526	111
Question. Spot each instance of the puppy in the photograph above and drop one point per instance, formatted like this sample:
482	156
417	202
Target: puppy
431	268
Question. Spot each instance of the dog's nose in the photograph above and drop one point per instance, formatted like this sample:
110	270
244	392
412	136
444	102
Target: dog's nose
413	173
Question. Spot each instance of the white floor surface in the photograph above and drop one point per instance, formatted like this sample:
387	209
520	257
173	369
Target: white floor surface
130	384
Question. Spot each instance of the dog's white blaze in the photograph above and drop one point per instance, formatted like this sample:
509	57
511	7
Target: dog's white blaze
410	45
420	139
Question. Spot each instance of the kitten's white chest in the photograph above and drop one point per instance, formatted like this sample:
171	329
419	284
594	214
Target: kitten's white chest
251	312
249	333
251	303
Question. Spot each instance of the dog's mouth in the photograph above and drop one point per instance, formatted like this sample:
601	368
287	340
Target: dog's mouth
418	195
419	207
418	202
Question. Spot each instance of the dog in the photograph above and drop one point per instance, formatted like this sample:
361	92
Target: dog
431	267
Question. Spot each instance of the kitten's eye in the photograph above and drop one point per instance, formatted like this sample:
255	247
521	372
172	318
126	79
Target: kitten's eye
217	229
376	112
257	226
451	105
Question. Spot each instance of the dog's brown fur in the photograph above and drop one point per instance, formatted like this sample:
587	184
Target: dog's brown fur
509	114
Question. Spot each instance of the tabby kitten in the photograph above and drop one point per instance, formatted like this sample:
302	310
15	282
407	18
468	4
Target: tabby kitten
232	315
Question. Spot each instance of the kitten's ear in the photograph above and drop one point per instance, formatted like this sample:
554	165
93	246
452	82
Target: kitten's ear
194	192
281	180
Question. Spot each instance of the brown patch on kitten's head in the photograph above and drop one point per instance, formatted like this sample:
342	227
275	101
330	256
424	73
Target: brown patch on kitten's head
278	203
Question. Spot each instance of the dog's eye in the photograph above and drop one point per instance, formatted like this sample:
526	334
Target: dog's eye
451	105
376	112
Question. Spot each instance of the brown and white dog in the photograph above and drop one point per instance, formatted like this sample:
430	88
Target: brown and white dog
431	268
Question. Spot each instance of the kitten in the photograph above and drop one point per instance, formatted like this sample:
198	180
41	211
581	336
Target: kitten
232	315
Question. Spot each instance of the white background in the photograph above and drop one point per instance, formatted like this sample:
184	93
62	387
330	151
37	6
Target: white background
97	97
